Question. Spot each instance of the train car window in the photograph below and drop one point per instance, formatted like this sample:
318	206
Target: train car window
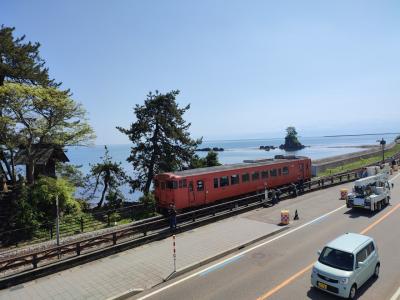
200	185
272	172
255	176
180	184
285	171
245	177
163	185
215	183
279	172
190	186
156	183
172	184
234	179
264	174
223	181
184	184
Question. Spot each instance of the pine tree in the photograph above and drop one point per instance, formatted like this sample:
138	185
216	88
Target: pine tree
37	116
160	137
19	62
108	174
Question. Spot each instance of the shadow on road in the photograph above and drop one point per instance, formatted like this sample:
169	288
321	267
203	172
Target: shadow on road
317	294
357	213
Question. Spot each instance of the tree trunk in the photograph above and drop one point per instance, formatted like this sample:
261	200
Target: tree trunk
13	177
103	194
150	173
30	172
7	165
2	171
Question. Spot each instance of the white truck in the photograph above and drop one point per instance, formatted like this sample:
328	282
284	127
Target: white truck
371	192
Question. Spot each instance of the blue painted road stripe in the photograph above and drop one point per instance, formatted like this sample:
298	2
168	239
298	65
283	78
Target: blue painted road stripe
220	266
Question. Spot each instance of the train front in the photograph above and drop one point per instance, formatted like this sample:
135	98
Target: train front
166	191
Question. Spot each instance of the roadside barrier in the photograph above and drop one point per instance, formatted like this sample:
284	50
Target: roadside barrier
343	194
285	217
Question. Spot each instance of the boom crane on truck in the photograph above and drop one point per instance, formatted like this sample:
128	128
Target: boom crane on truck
371	192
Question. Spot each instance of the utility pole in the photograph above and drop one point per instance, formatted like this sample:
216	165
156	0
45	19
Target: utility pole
383	143
174	252
58	222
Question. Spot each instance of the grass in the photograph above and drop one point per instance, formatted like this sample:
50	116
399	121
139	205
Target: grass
71	225
360	162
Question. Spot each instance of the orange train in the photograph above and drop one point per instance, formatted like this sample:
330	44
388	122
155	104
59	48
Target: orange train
198	187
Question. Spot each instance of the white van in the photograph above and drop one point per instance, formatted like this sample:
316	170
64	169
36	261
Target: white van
345	264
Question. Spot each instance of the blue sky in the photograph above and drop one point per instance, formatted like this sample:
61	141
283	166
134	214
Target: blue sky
249	69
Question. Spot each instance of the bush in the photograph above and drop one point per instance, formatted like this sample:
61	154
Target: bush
114	199
149	202
44	193
21	218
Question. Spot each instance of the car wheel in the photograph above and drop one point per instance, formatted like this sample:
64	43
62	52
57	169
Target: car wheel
377	269
353	292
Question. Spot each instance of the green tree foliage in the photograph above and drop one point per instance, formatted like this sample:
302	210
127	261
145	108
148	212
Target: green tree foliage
72	173
21	216
291	141
110	176
211	160
160	137
19	62
35	115
43	198
291	132
149	202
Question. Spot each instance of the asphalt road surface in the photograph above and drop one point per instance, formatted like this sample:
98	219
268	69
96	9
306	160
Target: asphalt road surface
280	267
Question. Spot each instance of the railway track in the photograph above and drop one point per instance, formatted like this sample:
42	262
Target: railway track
19	268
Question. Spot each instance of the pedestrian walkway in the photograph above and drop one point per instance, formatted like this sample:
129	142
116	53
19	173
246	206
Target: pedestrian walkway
145	266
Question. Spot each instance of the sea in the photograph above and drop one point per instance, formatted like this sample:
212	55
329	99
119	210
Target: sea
235	151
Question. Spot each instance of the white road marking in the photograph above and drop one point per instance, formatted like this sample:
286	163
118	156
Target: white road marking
241	253
394	177
396	295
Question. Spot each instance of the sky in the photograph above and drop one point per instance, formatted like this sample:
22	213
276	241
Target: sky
249	69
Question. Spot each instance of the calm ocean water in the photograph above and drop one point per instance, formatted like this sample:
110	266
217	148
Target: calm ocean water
235	151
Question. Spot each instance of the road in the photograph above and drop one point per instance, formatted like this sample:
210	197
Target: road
280	267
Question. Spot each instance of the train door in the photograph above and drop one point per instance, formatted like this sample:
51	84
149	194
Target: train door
301	171
191	197
200	191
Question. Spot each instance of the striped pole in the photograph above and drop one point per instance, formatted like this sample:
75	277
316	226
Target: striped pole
174	251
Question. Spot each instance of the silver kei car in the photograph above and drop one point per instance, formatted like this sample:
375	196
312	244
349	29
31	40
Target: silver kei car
345	264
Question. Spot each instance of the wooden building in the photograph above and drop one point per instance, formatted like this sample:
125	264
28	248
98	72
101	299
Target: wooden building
45	158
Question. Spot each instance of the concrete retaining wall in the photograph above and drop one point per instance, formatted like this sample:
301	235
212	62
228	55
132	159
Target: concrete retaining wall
321	165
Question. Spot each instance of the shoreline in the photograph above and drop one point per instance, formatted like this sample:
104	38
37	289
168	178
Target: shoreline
361	134
355	146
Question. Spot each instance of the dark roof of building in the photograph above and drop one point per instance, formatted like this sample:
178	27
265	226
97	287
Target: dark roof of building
245	164
41	155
